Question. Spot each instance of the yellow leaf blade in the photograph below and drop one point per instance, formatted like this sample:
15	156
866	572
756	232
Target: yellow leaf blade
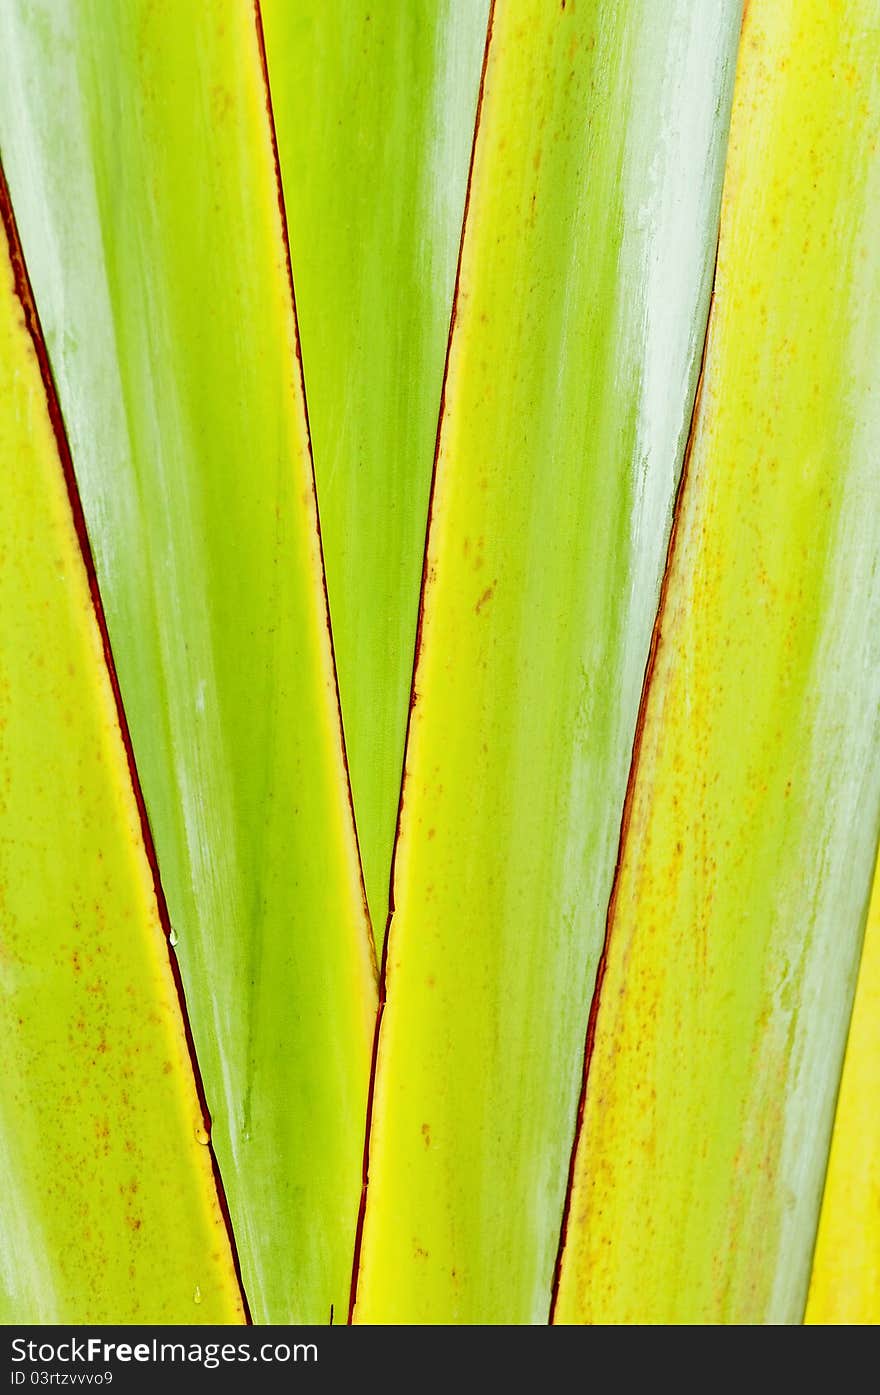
845	1282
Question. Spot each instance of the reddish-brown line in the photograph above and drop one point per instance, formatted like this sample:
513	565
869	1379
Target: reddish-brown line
656	637
383	971
285	234
24	293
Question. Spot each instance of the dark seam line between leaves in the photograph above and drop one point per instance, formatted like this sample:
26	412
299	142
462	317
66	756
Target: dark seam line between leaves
383	971
282	209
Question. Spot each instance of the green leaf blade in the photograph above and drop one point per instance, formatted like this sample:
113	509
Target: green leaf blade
110	1212
139	151
374	108
572	369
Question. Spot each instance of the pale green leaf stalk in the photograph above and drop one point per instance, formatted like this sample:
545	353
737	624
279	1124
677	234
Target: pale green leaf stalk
138	149
374	105
109	1209
587	263
738	915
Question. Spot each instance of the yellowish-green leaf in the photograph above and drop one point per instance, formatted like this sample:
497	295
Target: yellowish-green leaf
374	107
752	829
845	1282
109	1210
139	154
584	284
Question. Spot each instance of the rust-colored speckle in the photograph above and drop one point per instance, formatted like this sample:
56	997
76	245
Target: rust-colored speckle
485	598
